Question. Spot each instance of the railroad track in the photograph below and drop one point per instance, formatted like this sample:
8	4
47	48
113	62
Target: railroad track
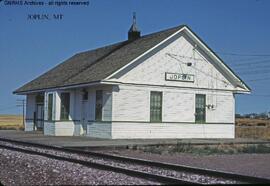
157	171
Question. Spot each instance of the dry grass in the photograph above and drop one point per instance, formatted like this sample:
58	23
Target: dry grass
252	128
11	122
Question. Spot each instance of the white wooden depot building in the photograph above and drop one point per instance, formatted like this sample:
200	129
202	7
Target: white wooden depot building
167	84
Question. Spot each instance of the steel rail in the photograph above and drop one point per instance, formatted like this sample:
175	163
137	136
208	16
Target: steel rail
133	173
195	170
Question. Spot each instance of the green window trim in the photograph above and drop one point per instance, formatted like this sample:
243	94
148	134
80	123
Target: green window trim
65	106
99	105
200	108
155	106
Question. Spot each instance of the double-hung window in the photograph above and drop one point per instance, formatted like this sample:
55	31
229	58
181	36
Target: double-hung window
200	108
156	107
65	103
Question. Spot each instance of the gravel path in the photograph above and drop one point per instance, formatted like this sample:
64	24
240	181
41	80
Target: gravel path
22	169
247	164
150	169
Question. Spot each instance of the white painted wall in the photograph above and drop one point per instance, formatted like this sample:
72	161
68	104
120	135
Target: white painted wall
99	130
152	69
29	125
132	103
64	128
122	130
49	128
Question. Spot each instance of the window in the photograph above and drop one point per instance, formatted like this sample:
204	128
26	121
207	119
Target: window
200	108
156	107
50	104
99	100
40	98
65	99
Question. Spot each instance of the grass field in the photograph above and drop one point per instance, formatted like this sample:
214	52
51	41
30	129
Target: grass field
252	128
11	122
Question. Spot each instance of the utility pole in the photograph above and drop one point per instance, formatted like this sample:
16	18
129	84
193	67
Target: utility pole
21	103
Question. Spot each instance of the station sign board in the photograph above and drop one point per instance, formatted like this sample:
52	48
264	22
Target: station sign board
179	77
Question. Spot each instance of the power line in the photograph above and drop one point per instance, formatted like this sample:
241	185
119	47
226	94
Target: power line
258	72
251	63
237	54
207	74
257	95
249	59
259	79
261	68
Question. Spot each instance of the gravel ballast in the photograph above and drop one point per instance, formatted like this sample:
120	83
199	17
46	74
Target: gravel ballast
23	169
257	165
150	169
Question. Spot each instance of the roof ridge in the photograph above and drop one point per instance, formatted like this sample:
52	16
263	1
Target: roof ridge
147	35
161	31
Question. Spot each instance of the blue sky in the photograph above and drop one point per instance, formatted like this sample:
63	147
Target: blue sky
238	30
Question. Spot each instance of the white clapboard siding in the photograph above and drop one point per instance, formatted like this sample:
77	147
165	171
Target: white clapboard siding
170	130
132	103
64	128
78	129
99	130
178	106
59	128
152	70
49	128
29	125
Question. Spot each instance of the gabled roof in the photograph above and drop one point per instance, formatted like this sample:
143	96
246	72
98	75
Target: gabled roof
99	64
95	65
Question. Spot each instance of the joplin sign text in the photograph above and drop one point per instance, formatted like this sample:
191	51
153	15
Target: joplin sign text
179	77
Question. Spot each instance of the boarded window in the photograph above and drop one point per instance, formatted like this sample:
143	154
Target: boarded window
65	102
50	104
156	107
200	108
99	100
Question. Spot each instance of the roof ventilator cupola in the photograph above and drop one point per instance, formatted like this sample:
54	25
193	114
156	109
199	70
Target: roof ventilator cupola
134	32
